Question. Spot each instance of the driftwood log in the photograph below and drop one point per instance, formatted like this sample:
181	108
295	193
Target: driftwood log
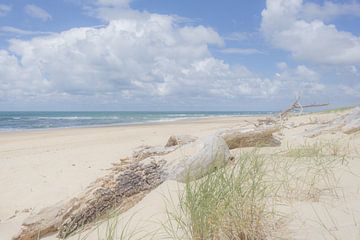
347	123
130	182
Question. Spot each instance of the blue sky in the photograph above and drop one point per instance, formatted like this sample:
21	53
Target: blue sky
177	55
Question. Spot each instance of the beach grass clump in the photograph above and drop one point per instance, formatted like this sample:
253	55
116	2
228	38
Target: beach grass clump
317	149
306	171
230	203
241	201
305	151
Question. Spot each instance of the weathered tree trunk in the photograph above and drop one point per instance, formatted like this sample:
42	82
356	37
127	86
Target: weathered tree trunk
129	183
109	192
118	189
348	123
137	178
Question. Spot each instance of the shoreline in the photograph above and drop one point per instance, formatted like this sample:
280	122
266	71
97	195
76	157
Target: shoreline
119	125
40	168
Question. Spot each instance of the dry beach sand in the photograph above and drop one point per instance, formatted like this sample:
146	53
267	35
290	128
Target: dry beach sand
40	168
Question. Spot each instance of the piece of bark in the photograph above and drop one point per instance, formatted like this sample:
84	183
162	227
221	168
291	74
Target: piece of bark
137	178
144	152
47	221
175	140
172	144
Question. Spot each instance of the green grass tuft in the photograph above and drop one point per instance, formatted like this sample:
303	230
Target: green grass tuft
239	201
230	203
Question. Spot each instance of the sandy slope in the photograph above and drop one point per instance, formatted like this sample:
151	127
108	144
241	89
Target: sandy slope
40	168
329	217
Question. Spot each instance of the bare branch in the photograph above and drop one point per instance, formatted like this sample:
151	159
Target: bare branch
296	105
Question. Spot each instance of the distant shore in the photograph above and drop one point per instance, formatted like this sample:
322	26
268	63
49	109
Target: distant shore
14	121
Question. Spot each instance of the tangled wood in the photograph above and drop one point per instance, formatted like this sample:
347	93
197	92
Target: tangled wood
296	105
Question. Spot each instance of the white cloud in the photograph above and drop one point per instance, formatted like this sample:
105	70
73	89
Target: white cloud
311	40
199	35
306	73
144	59
353	69
17	80
353	91
300	80
241	51
37	12
4	10
137	59
282	65
330	10
120	3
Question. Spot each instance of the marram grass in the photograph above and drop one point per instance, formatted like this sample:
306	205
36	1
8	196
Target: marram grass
240	201
230	203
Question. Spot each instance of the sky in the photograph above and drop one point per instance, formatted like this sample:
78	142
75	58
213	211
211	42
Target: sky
153	55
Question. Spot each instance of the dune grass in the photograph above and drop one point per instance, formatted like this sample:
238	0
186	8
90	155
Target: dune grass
239	201
229	203
338	110
307	171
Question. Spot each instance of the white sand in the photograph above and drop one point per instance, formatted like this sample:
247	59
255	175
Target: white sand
38	169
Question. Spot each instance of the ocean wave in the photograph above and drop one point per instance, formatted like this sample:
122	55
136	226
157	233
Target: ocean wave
45	120
78	118
170	119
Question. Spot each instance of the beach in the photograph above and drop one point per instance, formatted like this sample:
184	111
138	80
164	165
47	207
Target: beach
180	120
40	168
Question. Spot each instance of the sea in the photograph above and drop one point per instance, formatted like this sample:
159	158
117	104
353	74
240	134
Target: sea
26	120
